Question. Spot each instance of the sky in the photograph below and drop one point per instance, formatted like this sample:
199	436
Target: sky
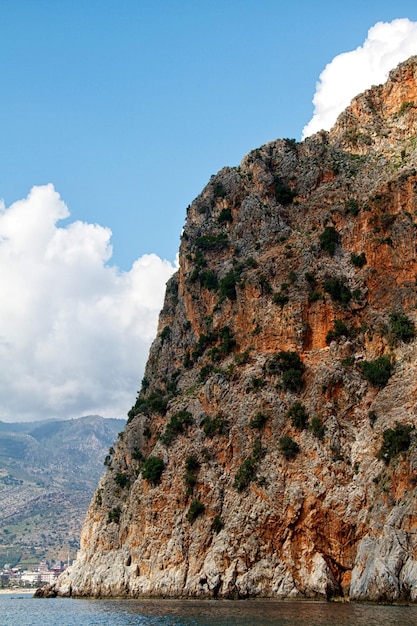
113	117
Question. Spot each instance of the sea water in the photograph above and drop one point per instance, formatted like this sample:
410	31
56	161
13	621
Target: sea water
24	610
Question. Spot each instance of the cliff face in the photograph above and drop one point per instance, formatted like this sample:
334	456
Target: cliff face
271	450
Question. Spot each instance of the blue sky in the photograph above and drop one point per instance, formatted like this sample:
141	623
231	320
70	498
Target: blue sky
113	117
129	107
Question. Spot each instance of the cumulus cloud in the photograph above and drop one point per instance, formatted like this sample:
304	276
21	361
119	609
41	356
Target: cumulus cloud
74	330
350	73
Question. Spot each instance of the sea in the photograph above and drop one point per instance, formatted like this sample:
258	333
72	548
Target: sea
24	610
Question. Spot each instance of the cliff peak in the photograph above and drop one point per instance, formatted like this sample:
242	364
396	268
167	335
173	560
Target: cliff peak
383	115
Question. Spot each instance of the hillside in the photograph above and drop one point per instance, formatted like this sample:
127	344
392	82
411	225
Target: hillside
48	473
272	448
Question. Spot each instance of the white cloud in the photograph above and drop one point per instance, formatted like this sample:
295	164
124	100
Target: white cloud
350	73
74	330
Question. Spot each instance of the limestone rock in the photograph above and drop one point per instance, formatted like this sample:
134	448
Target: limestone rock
271	450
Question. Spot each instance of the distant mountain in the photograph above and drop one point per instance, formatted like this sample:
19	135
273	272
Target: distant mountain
48	472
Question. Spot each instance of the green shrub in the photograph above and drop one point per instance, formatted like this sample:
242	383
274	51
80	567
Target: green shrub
114	515
281	298
283	192
251	262
395	440
265	285
208	280
258	420
292	277
402	327
205	372
257	382
98	497
288	447
289	252
156	401
317	427
212	242
339	330
192	465
328	239
199	264
352	207
217	524
358	260
122	480
219	190
214	426
152	469
165	334
215	356
137	454
378	371
386	241
176	425
227	288
227	341
225	216
188	362
290	366
206	454
338	290
284	361
298	415
315	296
172	384
311	279
372	417
203	343
243	357
257	450
196	508
292	380
405	106
145	384
245	474
387	220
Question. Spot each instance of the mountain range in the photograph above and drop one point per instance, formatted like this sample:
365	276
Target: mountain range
48	473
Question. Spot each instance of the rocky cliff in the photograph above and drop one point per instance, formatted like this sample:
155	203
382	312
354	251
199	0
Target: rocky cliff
271	450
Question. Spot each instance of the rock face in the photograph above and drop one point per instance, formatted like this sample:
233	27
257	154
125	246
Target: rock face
271	450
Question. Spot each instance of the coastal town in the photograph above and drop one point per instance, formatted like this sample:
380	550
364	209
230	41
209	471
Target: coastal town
46	483
18	578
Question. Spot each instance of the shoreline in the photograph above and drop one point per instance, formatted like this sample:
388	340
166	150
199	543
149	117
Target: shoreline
16	590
